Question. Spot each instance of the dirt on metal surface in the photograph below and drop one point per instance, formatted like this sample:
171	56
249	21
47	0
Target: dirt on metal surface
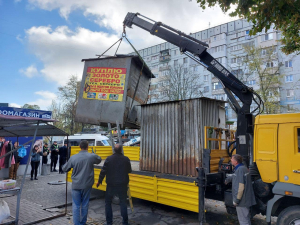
172	134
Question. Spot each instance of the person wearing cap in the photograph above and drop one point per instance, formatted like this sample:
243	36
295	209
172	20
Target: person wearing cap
242	190
116	169
45	153
54	156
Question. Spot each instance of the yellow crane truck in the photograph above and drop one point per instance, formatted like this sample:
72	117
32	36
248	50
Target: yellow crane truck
269	144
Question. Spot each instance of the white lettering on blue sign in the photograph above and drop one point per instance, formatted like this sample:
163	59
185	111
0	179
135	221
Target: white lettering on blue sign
8	111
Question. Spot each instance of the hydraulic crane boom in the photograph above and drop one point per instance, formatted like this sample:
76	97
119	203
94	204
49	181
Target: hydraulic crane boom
196	50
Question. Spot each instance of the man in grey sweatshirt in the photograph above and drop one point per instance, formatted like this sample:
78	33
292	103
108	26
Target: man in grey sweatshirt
82	181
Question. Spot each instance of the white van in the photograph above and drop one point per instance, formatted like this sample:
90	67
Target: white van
93	139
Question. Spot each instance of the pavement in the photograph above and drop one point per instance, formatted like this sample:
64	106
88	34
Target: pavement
40	201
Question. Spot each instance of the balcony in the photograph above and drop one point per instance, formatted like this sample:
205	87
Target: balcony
164	68
164	58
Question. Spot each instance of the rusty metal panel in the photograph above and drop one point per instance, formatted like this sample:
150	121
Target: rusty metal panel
101	112
173	134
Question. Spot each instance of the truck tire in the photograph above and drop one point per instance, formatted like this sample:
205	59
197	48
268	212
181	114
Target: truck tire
289	216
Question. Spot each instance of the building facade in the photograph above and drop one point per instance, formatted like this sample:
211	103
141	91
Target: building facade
227	44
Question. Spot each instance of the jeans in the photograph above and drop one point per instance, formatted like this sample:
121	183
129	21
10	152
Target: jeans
80	197
34	168
121	192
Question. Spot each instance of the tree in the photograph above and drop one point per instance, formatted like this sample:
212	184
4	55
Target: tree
285	15
28	106
68	96
179	83
262	67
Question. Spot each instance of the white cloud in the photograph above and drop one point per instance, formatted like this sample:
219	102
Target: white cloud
61	49
30	71
14	105
184	14
45	100
19	38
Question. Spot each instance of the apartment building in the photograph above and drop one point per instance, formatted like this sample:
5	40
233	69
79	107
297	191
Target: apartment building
226	44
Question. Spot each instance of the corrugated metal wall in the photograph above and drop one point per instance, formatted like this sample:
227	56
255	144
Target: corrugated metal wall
173	134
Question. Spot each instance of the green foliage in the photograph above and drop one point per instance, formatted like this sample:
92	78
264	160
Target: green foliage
28	106
66	111
285	15
268	78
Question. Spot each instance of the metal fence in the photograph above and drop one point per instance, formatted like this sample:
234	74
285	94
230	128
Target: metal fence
172	134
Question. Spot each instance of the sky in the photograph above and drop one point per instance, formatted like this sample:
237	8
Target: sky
42	42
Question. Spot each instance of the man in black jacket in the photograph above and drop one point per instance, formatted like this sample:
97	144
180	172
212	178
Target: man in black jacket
116	169
54	156
45	153
63	154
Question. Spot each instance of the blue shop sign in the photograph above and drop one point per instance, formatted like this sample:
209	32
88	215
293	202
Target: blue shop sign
10	111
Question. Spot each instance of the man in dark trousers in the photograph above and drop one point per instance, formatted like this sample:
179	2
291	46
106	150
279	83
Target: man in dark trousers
45	153
116	169
242	190
54	156
82	181
63	154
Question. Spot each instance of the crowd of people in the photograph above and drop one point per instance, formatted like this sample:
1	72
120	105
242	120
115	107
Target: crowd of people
116	170
12	161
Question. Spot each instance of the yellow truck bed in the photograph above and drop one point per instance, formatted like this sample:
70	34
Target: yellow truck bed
177	191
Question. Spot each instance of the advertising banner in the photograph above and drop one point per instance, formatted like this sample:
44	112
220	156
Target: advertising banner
11	111
22	140
106	84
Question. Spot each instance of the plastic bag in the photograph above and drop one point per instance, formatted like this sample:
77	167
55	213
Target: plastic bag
4	211
22	152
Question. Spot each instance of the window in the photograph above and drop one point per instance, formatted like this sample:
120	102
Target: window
206	89
247	32
219	60
237	72
251	82
185	70
233	60
196	68
289	63
219	97
154	57
185	60
267	37
289	78
176	62
175	52
99	143
289	93
217	85
290	107
270	64
205	77
164	93
217	49
164	73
